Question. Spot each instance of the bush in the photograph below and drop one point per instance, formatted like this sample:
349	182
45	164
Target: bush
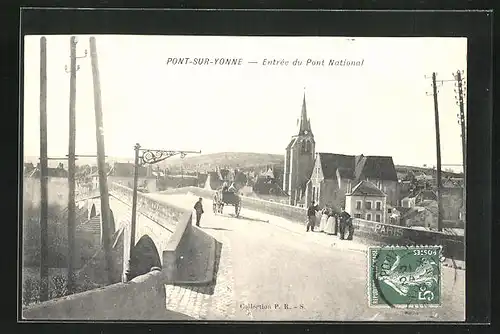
57	288
31	291
57	236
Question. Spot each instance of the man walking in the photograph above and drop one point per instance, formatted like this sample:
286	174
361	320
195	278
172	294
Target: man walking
199	211
345	221
311	216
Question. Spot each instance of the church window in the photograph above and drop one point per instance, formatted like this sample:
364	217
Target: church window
306	146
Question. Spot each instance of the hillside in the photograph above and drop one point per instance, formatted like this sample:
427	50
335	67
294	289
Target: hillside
428	171
229	159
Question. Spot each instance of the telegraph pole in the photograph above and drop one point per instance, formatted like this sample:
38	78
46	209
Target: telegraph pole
438	153
72	164
461	121
101	161
44	268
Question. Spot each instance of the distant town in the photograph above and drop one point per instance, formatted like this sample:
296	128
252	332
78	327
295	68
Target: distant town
414	203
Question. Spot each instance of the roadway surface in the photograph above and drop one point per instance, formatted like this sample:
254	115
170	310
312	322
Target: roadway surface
271	269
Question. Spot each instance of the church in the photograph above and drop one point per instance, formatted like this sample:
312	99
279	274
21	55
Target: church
326	178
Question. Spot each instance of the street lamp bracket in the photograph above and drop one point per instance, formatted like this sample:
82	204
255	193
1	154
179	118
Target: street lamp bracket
154	156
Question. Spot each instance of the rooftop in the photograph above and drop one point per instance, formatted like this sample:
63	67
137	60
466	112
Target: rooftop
366	188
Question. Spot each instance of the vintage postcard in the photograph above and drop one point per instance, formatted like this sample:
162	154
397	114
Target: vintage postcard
244	178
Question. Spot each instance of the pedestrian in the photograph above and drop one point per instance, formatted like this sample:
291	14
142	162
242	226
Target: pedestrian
345	222
335	223
330	223
198	207
324	218
311	216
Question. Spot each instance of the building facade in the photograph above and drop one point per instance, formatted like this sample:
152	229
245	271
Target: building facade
334	175
367	201
325	178
299	160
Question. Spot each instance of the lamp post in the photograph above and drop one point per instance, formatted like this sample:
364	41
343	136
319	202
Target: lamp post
144	157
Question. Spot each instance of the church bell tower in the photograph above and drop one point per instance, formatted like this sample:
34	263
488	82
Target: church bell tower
299	158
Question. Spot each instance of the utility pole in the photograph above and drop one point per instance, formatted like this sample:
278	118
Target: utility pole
101	162
438	153
72	164
44	253
461	121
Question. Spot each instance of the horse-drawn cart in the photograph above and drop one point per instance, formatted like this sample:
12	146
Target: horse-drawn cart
222	198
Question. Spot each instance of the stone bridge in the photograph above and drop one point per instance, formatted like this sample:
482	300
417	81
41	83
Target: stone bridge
267	267
164	235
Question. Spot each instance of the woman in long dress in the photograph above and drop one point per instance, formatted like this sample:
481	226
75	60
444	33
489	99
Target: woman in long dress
330	223
324	218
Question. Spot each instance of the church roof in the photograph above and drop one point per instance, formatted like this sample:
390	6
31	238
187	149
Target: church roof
346	173
291	143
366	188
304	121
330	162
357	167
376	167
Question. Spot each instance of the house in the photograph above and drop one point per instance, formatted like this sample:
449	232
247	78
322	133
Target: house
425	195
58	172
408	202
213	180
366	201
334	175
123	173
393	216
453	205
424	215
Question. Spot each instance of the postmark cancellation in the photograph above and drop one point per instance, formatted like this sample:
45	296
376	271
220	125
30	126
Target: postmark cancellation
404	276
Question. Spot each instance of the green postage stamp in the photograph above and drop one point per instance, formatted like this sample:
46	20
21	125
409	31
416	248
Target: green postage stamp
404	276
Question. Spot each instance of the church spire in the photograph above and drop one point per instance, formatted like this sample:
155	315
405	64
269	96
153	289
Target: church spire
304	124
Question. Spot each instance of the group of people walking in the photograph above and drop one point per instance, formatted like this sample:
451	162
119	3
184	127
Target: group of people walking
331	222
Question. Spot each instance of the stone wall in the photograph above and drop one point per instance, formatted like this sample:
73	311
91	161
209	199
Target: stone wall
453	245
143	298
378	233
157	211
290	212
184	243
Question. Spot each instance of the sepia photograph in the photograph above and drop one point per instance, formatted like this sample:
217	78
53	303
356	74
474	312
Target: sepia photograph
244	178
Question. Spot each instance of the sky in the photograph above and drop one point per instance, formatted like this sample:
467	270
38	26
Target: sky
379	108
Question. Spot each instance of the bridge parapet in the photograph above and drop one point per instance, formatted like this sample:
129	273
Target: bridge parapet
153	209
143	298
378	233
176	242
453	245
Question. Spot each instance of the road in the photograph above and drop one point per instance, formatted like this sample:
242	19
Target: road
271	269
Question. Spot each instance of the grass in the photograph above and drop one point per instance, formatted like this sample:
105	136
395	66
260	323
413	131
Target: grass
57	257
57	284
